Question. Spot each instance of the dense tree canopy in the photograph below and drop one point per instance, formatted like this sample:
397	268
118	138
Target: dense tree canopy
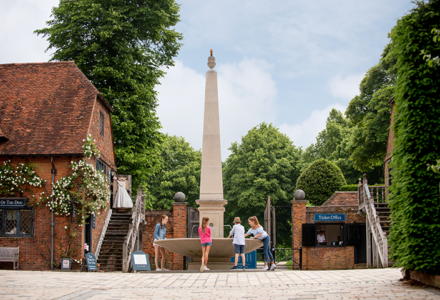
121	45
180	172
320	180
263	164
414	198
332	144
370	113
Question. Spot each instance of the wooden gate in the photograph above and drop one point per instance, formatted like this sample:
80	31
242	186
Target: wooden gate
193	223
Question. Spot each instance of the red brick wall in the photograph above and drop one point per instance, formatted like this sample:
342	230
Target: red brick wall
35	251
179	217
342	198
322	258
103	143
176	228
328	258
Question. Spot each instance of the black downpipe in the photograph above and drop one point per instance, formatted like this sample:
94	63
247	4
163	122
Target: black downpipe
52	222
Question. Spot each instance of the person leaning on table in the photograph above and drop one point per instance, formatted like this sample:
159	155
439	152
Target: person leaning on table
258	231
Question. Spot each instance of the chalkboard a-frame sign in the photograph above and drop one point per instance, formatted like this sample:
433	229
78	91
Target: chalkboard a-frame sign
140	261
90	262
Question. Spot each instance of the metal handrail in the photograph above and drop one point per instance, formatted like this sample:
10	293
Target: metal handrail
138	216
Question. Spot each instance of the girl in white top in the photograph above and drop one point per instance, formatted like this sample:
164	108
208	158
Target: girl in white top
258	232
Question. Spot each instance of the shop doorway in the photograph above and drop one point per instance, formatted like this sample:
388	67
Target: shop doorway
88	234
360	253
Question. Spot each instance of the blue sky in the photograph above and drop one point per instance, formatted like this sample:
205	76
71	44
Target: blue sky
282	62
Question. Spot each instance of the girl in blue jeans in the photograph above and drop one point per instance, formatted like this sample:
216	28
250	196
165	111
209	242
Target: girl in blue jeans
258	232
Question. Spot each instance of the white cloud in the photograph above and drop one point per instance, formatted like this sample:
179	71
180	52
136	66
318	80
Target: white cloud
18	20
345	87
246	96
305	133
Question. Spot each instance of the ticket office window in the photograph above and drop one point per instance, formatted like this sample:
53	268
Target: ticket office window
336	235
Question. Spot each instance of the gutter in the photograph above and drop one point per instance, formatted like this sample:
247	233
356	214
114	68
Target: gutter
52	223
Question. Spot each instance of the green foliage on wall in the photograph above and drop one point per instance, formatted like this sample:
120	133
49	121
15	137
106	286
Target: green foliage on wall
414	199
320	180
122	47
180	172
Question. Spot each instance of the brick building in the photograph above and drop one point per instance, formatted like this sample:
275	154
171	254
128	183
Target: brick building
342	226
46	112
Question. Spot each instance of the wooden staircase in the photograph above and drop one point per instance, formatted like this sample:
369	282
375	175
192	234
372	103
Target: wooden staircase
384	212
373	201
110	256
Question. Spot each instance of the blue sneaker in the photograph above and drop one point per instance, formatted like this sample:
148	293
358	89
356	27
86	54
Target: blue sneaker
234	268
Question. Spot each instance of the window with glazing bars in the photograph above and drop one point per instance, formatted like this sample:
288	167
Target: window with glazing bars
100	165
101	123
16	222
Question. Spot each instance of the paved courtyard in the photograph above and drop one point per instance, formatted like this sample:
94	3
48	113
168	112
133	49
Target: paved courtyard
349	284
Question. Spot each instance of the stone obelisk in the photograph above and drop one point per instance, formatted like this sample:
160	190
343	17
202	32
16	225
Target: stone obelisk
211	202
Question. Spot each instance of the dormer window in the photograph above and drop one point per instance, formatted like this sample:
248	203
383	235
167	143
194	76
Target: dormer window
3	137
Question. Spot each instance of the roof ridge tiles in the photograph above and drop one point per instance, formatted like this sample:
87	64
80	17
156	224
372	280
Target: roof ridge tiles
38	63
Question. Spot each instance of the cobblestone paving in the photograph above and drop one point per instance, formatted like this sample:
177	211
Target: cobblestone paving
347	284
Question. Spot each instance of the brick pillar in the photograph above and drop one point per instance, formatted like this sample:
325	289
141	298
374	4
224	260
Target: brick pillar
179	229
299	218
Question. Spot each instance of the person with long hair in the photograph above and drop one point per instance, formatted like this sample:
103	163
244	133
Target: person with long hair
258	233
206	240
160	234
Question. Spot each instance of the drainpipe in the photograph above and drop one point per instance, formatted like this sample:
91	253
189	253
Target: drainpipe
52	223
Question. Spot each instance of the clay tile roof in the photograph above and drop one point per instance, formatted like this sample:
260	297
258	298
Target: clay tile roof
45	108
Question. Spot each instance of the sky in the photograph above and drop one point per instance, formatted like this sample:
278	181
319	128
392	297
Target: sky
282	62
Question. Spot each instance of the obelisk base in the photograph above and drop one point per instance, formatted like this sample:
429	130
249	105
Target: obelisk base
214	210
214	263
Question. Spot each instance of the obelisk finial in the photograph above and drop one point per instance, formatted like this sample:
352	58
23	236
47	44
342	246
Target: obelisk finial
211	61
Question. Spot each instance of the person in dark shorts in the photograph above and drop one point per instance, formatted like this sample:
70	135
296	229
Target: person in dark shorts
239	242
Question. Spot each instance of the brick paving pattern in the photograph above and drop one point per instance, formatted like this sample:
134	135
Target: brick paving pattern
348	284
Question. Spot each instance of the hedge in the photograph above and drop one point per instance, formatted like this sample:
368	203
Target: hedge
349	188
320	180
414	199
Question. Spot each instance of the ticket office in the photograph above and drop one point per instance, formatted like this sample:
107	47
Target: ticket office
331	230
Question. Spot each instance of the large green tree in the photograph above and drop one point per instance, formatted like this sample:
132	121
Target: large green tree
121	46
180	172
414	198
370	114
263	164
332	144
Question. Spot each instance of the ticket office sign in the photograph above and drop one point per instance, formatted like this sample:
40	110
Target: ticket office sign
329	217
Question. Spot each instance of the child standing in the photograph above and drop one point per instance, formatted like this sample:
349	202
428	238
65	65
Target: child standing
239	242
206	240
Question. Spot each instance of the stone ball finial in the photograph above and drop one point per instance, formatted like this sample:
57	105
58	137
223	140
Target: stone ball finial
299	195
179	197
211	61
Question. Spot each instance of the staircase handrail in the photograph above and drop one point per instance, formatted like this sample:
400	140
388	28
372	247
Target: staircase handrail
376	229
103	232
137	217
